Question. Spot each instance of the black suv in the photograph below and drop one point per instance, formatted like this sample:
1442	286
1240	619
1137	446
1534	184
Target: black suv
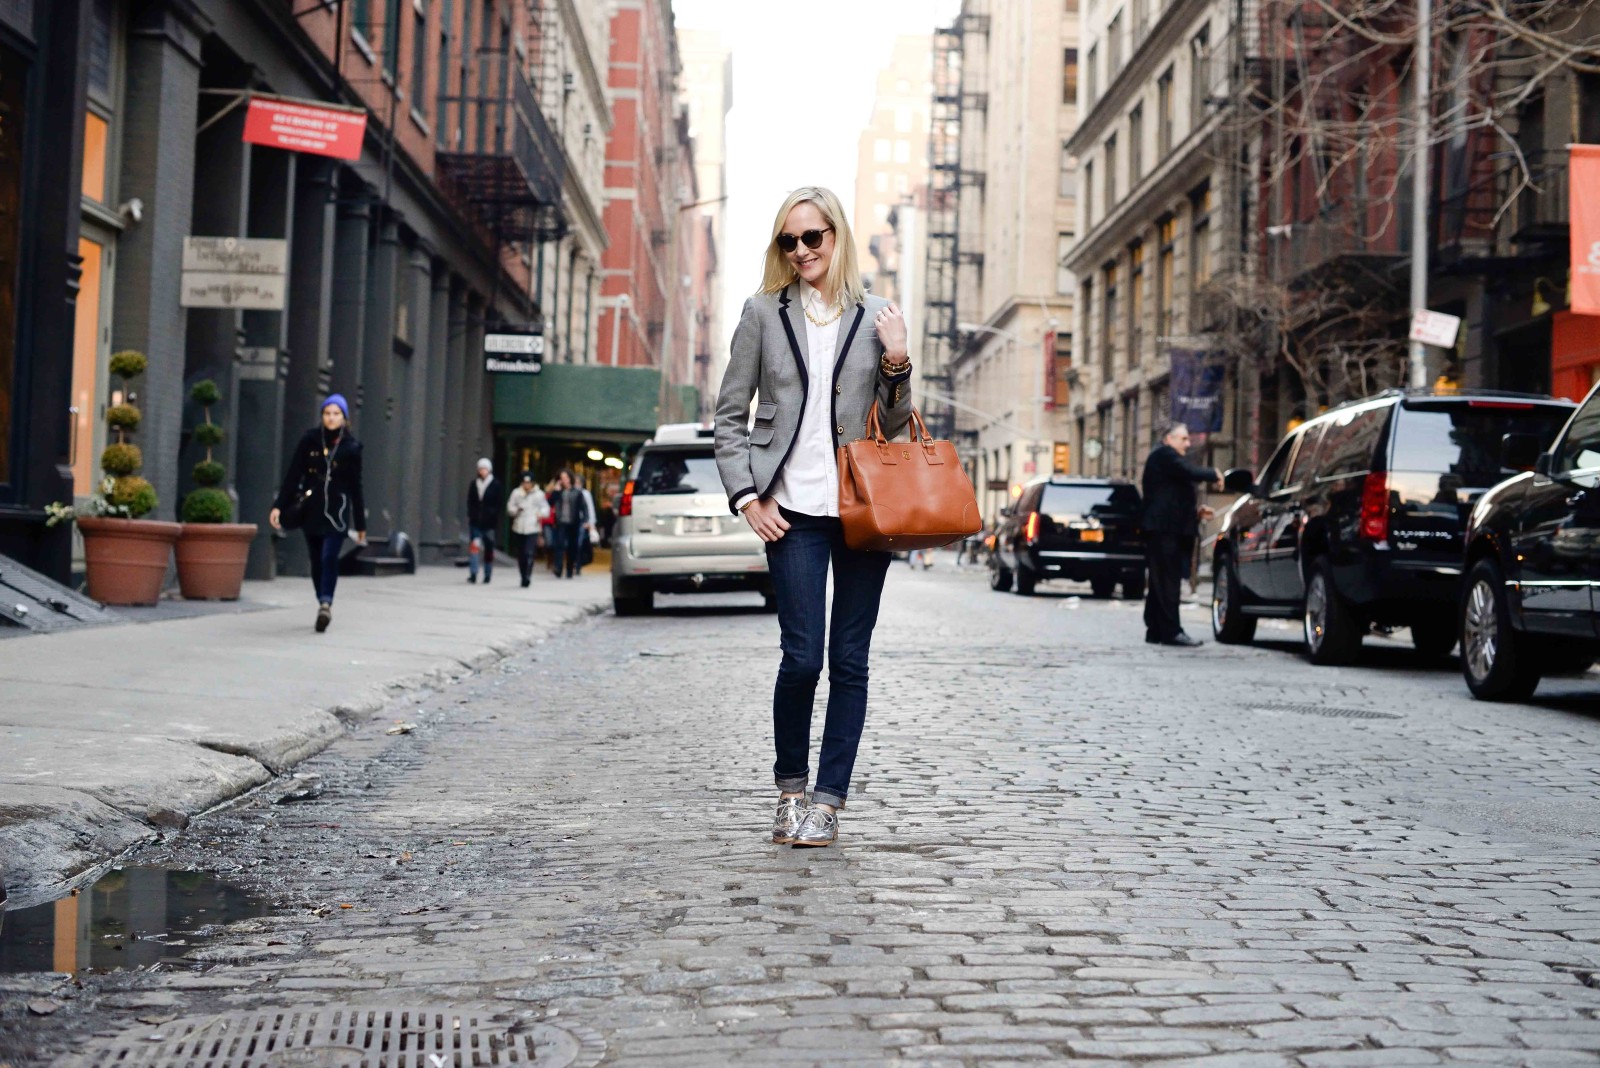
1358	518
1529	607
1085	529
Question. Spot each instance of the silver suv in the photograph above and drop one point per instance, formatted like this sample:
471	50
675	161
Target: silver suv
674	532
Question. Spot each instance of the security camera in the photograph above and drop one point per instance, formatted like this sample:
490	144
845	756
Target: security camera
132	210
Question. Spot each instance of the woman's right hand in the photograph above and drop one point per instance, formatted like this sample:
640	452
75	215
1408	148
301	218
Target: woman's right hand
274	518
765	519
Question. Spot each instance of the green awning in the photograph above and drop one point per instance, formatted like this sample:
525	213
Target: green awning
582	400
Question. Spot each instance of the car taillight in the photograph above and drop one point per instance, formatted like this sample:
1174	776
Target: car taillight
625	506
1030	533
1375	507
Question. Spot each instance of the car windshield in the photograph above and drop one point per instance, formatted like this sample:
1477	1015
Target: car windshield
1089	500
1464	440
677	471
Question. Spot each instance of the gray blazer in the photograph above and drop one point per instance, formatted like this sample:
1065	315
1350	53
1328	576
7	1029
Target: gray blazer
769	355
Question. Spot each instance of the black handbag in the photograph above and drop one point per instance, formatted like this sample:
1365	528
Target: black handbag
292	515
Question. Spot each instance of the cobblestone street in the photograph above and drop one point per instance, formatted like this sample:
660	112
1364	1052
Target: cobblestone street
1061	843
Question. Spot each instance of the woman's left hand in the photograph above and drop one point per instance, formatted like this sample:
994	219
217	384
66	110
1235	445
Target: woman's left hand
891	327
361	537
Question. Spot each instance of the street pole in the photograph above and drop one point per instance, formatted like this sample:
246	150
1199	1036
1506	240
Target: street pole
1418	377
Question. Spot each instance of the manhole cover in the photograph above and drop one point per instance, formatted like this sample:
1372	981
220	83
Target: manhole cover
307	1036
1325	710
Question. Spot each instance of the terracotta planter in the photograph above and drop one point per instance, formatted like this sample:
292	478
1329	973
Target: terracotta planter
211	559
126	558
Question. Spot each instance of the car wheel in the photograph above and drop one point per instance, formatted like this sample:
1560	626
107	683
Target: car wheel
1026	581
629	601
1433	637
1229	624
1495	659
1133	589
1103	587
999	576
1332	632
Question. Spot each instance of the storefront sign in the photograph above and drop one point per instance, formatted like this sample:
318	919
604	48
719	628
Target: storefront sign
1197	377
234	272
305	127
1584	212
514	353
1435	328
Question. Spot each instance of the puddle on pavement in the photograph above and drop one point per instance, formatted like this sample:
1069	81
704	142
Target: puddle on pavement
130	917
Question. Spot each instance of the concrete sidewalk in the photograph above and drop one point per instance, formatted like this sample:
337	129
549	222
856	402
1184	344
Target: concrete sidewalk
110	734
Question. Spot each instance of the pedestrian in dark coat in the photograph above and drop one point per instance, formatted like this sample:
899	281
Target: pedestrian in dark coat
1171	524
486	507
322	489
573	515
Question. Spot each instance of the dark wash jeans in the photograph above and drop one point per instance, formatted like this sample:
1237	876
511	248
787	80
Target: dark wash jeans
324	550
798	563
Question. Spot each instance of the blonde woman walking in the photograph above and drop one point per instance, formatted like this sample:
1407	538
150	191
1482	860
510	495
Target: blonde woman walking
820	353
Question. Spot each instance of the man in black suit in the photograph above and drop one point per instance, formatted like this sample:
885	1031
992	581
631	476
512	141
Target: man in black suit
1171	523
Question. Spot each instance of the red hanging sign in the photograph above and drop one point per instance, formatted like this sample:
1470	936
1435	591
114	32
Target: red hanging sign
1583	182
305	127
1049	370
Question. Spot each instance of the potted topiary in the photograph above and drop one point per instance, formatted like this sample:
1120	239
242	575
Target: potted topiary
213	550
126	555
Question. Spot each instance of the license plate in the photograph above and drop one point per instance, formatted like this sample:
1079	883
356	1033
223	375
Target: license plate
1091	535
694	525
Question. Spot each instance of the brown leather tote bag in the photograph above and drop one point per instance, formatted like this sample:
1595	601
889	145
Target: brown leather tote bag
903	494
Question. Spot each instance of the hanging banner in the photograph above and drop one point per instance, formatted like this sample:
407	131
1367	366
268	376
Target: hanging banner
1049	370
305	126
1197	378
1584	213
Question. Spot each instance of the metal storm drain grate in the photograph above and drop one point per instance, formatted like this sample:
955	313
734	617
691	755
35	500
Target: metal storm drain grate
1326	710
308	1036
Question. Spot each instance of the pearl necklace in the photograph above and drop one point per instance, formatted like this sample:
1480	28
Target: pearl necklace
837	312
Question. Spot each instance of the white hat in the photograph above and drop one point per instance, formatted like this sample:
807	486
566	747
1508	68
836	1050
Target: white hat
486	462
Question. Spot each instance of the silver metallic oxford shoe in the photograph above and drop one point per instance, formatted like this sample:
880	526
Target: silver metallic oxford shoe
791	811
819	828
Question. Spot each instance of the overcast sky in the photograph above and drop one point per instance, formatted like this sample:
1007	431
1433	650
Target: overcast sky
804	76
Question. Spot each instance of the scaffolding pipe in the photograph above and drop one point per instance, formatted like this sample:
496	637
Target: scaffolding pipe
1418	376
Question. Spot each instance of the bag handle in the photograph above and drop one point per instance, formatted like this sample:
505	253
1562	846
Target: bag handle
918	429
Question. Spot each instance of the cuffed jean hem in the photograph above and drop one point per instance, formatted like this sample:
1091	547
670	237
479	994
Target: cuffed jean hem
823	797
793	784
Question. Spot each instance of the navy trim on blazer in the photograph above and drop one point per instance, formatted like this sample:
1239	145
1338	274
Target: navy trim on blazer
805	390
838	366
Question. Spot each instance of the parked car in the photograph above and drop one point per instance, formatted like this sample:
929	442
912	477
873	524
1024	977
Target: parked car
1533	565
674	532
1084	529
1358	517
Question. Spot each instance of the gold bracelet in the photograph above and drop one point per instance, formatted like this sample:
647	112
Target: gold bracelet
885	367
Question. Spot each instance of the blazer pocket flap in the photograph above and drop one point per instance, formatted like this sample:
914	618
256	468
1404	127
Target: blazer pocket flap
762	435
767	411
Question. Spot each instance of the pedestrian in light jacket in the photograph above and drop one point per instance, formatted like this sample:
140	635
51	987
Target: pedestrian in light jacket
486	507
820	353
322	487
1172	516
527	509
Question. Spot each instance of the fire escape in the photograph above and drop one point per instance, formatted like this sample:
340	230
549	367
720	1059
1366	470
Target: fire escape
955	194
501	163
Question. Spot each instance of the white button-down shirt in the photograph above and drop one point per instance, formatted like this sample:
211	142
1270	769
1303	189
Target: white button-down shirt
810	480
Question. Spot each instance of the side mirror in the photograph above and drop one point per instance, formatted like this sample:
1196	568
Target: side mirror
1520	452
1544	463
1238	480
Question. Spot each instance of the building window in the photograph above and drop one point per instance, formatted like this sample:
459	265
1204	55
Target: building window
391	42
442	119
1135	145
361	18
1200	239
1108	324
1088	192
1086	308
1130	432
1069	173
881	150
1141	21
1135	303
1164	114
1113	48
485	72
1167	230
1069	76
1200	81
1063	276
419	56
1091	75
902	151
1111	171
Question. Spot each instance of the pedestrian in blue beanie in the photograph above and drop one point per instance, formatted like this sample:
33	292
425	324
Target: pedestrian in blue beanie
321	496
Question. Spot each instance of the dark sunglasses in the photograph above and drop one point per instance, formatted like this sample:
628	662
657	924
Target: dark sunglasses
811	239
